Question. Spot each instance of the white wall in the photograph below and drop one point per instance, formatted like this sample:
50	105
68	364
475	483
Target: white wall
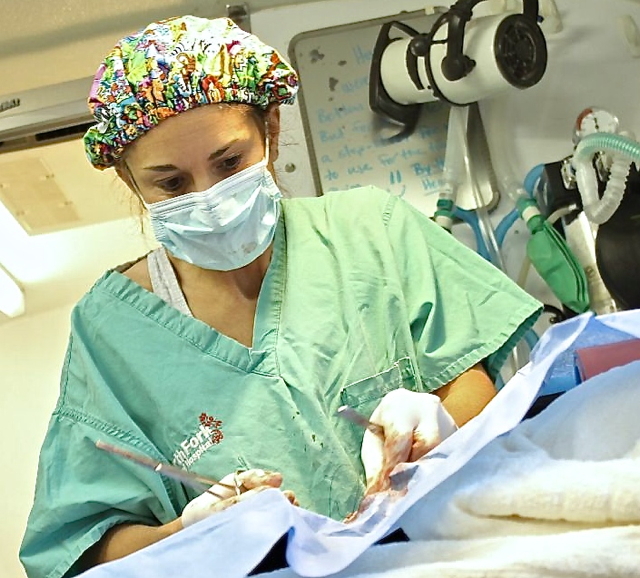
31	355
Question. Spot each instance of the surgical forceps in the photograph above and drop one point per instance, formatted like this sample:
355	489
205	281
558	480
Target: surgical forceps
354	417
188	478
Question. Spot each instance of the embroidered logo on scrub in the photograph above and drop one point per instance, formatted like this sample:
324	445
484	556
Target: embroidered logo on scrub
191	449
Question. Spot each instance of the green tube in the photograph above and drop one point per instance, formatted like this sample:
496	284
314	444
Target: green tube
608	142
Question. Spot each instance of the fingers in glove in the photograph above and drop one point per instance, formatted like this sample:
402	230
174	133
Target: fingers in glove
224	504
396	450
290	495
250	479
219	498
426	436
224	489
372	453
380	455
413	423
421	447
429	433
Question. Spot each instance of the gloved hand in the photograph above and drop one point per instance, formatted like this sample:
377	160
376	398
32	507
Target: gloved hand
223	495
413	423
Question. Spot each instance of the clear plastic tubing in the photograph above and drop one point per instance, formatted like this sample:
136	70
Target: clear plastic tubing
458	121
453	175
501	149
623	151
454	157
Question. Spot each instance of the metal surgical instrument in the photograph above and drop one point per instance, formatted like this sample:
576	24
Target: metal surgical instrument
188	478
354	417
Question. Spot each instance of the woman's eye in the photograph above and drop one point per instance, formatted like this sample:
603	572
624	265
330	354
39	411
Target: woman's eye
230	164
171	185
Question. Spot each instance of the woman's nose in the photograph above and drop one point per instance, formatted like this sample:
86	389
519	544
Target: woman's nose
203	181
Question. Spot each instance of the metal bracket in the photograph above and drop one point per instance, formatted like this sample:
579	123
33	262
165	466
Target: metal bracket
568	174
240	14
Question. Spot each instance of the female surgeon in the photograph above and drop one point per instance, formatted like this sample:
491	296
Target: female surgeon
231	346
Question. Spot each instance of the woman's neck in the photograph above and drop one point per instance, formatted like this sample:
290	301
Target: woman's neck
245	282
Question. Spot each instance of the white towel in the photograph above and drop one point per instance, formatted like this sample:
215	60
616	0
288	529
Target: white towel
575	465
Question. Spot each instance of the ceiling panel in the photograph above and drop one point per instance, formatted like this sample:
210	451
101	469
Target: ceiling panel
54	188
35	25
50	42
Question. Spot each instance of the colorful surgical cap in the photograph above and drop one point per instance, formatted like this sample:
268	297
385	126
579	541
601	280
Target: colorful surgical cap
173	66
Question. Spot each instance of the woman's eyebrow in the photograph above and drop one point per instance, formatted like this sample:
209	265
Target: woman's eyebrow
222	150
161	168
214	155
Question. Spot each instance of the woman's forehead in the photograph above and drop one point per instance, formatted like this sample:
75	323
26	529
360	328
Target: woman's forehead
200	130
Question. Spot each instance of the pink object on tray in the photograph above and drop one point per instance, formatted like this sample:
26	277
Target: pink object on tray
594	360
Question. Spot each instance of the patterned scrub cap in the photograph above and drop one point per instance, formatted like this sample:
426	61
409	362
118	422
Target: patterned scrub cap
176	65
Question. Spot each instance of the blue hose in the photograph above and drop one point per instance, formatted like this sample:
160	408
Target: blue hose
471	219
533	177
503	227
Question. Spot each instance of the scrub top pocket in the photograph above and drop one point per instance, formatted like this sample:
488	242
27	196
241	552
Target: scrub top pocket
365	394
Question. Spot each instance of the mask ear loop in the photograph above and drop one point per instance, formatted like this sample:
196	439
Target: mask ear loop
132	180
127	171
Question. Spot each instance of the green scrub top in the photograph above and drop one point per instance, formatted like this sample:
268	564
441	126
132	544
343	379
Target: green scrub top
364	294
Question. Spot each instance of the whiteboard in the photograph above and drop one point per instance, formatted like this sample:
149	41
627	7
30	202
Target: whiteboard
349	145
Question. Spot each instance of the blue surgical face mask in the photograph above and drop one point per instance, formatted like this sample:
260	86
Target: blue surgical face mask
225	227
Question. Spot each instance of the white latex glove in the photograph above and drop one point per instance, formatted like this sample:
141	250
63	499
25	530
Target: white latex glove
220	497
413	423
